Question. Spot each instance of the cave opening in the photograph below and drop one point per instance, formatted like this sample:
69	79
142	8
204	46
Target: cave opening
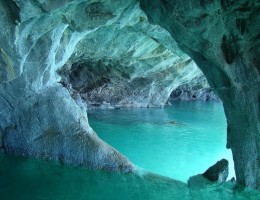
180	139
63	60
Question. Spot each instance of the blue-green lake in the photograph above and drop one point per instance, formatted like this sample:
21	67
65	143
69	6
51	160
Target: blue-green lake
177	141
178	150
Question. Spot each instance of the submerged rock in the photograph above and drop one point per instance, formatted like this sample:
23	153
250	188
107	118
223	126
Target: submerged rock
176	123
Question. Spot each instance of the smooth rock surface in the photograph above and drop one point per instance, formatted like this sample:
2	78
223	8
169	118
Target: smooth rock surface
35	179
222	37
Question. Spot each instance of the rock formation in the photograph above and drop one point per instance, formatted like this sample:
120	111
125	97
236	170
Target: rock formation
188	93
222	37
217	172
58	56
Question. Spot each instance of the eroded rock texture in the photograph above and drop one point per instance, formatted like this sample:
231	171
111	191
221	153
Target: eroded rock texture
128	63
222	37
113	83
195	90
58	56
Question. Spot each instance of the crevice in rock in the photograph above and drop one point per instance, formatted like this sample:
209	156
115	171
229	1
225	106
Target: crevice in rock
228	49
227	3
241	24
12	10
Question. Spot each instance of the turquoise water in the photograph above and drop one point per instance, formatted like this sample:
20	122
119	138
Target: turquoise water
147	139
31	179
178	150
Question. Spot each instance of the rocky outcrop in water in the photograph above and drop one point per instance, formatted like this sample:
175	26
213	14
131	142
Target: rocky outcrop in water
222	37
217	173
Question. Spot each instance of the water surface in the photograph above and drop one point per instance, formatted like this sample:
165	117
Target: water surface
32	179
177	141
147	138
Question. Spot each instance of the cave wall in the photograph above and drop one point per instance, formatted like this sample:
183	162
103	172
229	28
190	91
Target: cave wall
117	84
128	63
39	117
42	45
222	37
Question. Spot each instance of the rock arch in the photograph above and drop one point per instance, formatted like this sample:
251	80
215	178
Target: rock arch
223	39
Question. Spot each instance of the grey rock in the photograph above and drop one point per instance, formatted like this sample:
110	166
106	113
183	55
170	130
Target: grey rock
56	59
222	37
199	182
44	126
217	172
42	118
196	89
187	94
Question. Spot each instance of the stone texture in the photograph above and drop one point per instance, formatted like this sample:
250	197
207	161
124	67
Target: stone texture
199	182
186	93
222	37
40	117
110	84
42	125
128	63
217	172
58	56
